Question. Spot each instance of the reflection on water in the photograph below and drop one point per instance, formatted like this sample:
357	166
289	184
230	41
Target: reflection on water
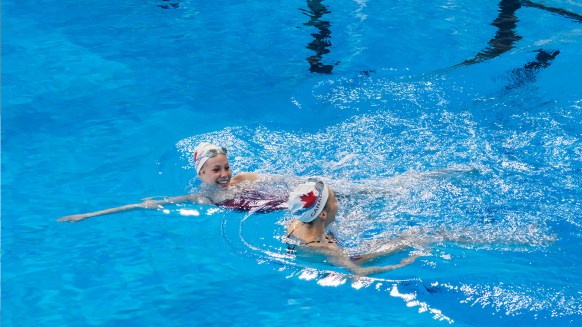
527	74
169	4
505	37
559	11
321	40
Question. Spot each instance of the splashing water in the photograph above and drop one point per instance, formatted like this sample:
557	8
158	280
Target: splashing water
500	181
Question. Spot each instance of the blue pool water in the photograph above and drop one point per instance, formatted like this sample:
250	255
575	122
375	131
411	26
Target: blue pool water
103	101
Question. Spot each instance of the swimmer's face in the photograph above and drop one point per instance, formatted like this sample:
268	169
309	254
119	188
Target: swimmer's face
330	208
216	171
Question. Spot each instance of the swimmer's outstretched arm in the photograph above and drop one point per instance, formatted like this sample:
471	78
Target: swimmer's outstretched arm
147	204
412	238
364	271
396	184
338	257
391	249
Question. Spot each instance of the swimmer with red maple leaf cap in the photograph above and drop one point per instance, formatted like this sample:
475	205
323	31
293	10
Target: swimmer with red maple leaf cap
315	207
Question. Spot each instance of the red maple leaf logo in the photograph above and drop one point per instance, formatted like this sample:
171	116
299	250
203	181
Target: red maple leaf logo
308	199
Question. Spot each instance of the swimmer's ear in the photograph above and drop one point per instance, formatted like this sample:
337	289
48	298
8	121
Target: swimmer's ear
323	215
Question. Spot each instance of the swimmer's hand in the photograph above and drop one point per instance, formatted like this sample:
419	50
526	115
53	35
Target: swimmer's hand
74	218
83	216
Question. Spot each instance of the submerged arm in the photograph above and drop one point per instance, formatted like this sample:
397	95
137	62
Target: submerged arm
389	250
364	271
337	256
147	204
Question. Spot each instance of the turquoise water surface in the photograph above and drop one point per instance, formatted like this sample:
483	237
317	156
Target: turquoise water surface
456	115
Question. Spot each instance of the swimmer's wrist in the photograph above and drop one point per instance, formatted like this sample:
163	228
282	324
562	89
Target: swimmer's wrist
149	204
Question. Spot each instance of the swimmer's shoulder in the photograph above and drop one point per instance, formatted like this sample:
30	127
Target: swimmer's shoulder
244	177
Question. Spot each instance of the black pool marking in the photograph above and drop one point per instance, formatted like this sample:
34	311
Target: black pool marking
321	42
559	11
527	74
506	23
174	4
505	38
367	72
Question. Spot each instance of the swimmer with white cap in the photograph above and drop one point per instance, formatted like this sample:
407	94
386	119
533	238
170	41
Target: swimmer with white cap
213	169
314	206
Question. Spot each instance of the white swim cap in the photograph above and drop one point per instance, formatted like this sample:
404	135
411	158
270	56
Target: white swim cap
205	151
308	199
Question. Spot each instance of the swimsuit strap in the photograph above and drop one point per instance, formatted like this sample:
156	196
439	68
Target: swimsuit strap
328	236
290	233
290	247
